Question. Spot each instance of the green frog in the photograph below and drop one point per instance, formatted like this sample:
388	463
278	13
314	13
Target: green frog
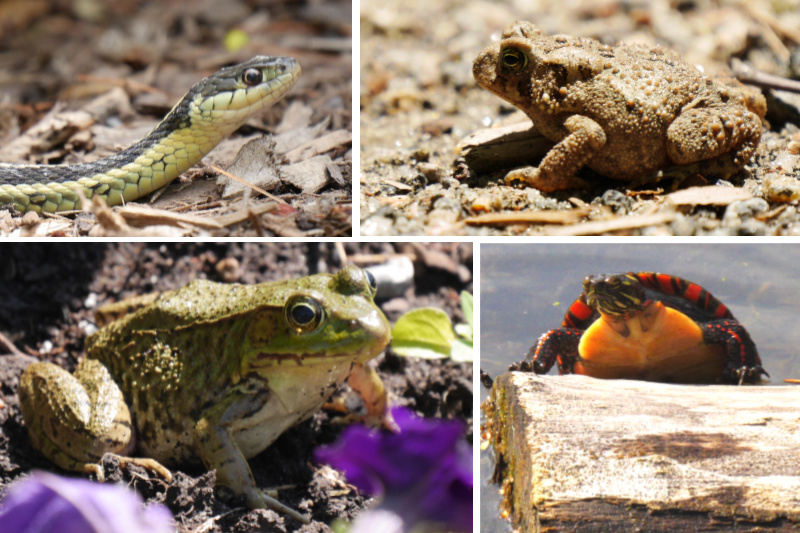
212	372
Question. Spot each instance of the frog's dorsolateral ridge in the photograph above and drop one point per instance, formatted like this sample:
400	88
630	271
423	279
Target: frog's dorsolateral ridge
625	111
211	372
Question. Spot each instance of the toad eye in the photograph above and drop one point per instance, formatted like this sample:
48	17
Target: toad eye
514	59
252	76
304	314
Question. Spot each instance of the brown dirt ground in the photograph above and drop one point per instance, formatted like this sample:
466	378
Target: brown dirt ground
45	306
62	55
419	101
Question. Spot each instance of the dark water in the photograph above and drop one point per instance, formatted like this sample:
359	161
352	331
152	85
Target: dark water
527	288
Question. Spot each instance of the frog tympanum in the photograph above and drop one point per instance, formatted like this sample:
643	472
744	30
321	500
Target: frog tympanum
212	372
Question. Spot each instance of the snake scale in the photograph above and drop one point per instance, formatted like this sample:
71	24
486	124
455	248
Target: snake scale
213	109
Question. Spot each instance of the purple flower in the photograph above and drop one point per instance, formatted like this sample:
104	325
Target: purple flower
423	473
46	503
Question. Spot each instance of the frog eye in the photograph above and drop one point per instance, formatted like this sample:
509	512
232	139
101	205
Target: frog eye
252	76
514	59
304	314
373	285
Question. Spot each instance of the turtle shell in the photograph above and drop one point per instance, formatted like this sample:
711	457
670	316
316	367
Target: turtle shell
651	326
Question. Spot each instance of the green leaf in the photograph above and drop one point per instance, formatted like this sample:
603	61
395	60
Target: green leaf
464	331
462	351
235	40
466	307
425	332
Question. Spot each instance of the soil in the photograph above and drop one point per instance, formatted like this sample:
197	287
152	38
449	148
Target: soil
419	102
81	80
46	309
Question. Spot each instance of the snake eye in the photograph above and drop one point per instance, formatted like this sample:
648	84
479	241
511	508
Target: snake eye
252	76
514	59
304	314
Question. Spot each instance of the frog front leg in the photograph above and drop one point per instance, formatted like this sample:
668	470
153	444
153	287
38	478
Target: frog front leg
366	382
217	446
76	419
558	168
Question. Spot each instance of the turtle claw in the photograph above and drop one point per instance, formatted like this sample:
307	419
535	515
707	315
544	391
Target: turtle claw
520	366
486	380
748	374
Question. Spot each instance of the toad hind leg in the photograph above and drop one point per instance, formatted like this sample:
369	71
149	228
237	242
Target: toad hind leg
704	134
558	168
74	420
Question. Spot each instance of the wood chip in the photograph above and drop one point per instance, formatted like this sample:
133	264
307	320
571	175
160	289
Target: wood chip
310	176
110	223
617	224
297	116
255	164
709	195
289	140
244	214
326	143
336	174
532	217
58	126
140	216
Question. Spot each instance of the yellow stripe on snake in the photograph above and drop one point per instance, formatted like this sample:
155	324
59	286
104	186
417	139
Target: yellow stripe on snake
207	114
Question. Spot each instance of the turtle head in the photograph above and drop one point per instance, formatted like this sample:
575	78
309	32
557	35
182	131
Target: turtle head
614	294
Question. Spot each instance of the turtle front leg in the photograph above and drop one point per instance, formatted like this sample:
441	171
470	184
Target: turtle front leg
557	345
742	364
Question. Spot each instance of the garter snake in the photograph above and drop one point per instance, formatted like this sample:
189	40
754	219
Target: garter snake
208	113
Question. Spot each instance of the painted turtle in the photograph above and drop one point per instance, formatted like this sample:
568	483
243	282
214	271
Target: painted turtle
650	326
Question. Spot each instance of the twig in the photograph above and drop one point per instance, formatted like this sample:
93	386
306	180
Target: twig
243	182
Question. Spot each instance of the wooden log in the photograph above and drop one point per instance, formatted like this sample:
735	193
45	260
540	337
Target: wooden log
583	454
507	147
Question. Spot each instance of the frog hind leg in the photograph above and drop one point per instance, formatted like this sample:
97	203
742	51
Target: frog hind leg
74	420
742	363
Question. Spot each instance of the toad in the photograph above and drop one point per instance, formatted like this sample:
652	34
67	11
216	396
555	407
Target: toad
625	111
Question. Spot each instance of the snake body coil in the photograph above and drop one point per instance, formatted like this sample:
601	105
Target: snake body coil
208	113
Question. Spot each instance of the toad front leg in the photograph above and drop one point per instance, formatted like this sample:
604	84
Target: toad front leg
218	448
558	168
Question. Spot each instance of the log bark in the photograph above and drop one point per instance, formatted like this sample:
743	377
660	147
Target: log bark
582	454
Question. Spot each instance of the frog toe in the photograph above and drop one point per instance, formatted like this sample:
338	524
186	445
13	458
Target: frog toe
146	463
259	499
